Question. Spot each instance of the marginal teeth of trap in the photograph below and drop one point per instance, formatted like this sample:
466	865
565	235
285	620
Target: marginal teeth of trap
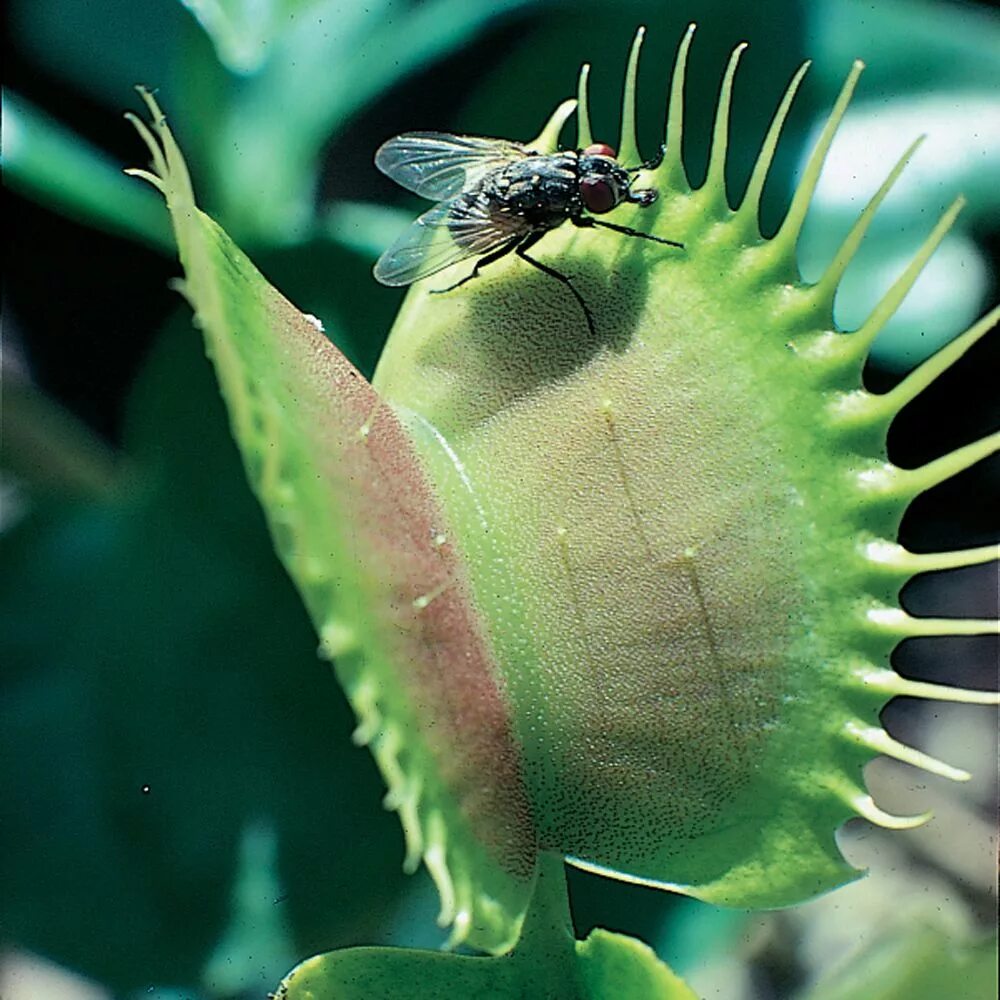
672	169
365	731
791	226
584	134
413	843
897	622
628	148
461	926
864	806
893	298
879	741
890	684
750	206
434	859
547	141
825	290
922	376
715	178
890	554
915	481
336	639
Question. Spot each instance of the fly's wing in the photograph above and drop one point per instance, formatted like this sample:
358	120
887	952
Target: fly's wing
444	235
438	166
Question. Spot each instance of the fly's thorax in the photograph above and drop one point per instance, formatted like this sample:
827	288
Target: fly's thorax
542	190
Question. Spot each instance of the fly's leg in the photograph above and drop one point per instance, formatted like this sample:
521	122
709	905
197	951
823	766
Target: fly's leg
650	164
520	247
586	222
501	251
521	250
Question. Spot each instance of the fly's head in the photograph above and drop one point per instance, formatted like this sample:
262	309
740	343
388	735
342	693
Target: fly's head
604	184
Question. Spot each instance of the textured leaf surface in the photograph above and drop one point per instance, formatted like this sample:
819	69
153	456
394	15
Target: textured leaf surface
360	530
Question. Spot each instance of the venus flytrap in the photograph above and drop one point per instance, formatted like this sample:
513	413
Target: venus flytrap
626	596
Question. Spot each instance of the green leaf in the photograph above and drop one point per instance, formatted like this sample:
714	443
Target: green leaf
45	161
615	966
914	962
329	63
609	967
244	31
364	227
150	638
49	450
658	555
547	963
102	48
403	974
362	534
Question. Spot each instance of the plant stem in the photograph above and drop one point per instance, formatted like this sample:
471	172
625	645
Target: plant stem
547	946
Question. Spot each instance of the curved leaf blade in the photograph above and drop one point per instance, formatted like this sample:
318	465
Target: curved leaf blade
361	532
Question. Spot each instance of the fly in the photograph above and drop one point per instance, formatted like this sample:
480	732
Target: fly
497	197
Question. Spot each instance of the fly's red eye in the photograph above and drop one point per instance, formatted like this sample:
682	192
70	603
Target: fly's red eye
600	149
597	195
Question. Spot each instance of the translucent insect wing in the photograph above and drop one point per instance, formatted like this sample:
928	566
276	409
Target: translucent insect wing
424	248
438	165
444	235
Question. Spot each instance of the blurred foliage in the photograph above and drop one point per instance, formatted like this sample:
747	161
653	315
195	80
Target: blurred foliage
918	962
149	637
59	169
161	694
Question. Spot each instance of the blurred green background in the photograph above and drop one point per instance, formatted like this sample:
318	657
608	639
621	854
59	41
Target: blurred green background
182	813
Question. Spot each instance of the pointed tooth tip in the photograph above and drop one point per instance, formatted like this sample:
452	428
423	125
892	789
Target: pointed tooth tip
909	822
866	808
460	924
